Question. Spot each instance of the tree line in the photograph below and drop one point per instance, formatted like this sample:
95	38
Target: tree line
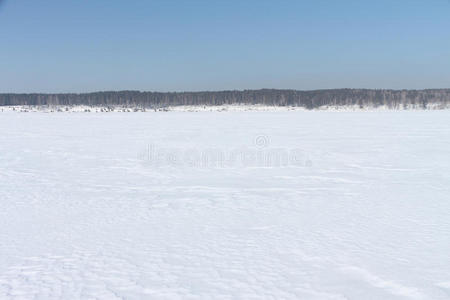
395	99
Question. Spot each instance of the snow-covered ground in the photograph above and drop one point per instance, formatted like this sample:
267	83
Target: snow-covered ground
235	205
211	108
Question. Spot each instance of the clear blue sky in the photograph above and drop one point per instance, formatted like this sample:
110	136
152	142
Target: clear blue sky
167	45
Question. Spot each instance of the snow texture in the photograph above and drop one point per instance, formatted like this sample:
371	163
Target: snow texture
234	205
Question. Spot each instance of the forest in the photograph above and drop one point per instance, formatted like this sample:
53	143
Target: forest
394	99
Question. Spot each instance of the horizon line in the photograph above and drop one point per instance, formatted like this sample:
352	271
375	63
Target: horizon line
217	91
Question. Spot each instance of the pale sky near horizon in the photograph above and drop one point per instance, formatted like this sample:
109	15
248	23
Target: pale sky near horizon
82	46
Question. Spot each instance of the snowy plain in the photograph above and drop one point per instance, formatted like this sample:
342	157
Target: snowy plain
225	205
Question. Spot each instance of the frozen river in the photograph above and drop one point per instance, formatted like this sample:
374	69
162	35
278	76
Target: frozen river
250	205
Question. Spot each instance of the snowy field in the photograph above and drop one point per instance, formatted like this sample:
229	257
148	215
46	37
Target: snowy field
231	205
